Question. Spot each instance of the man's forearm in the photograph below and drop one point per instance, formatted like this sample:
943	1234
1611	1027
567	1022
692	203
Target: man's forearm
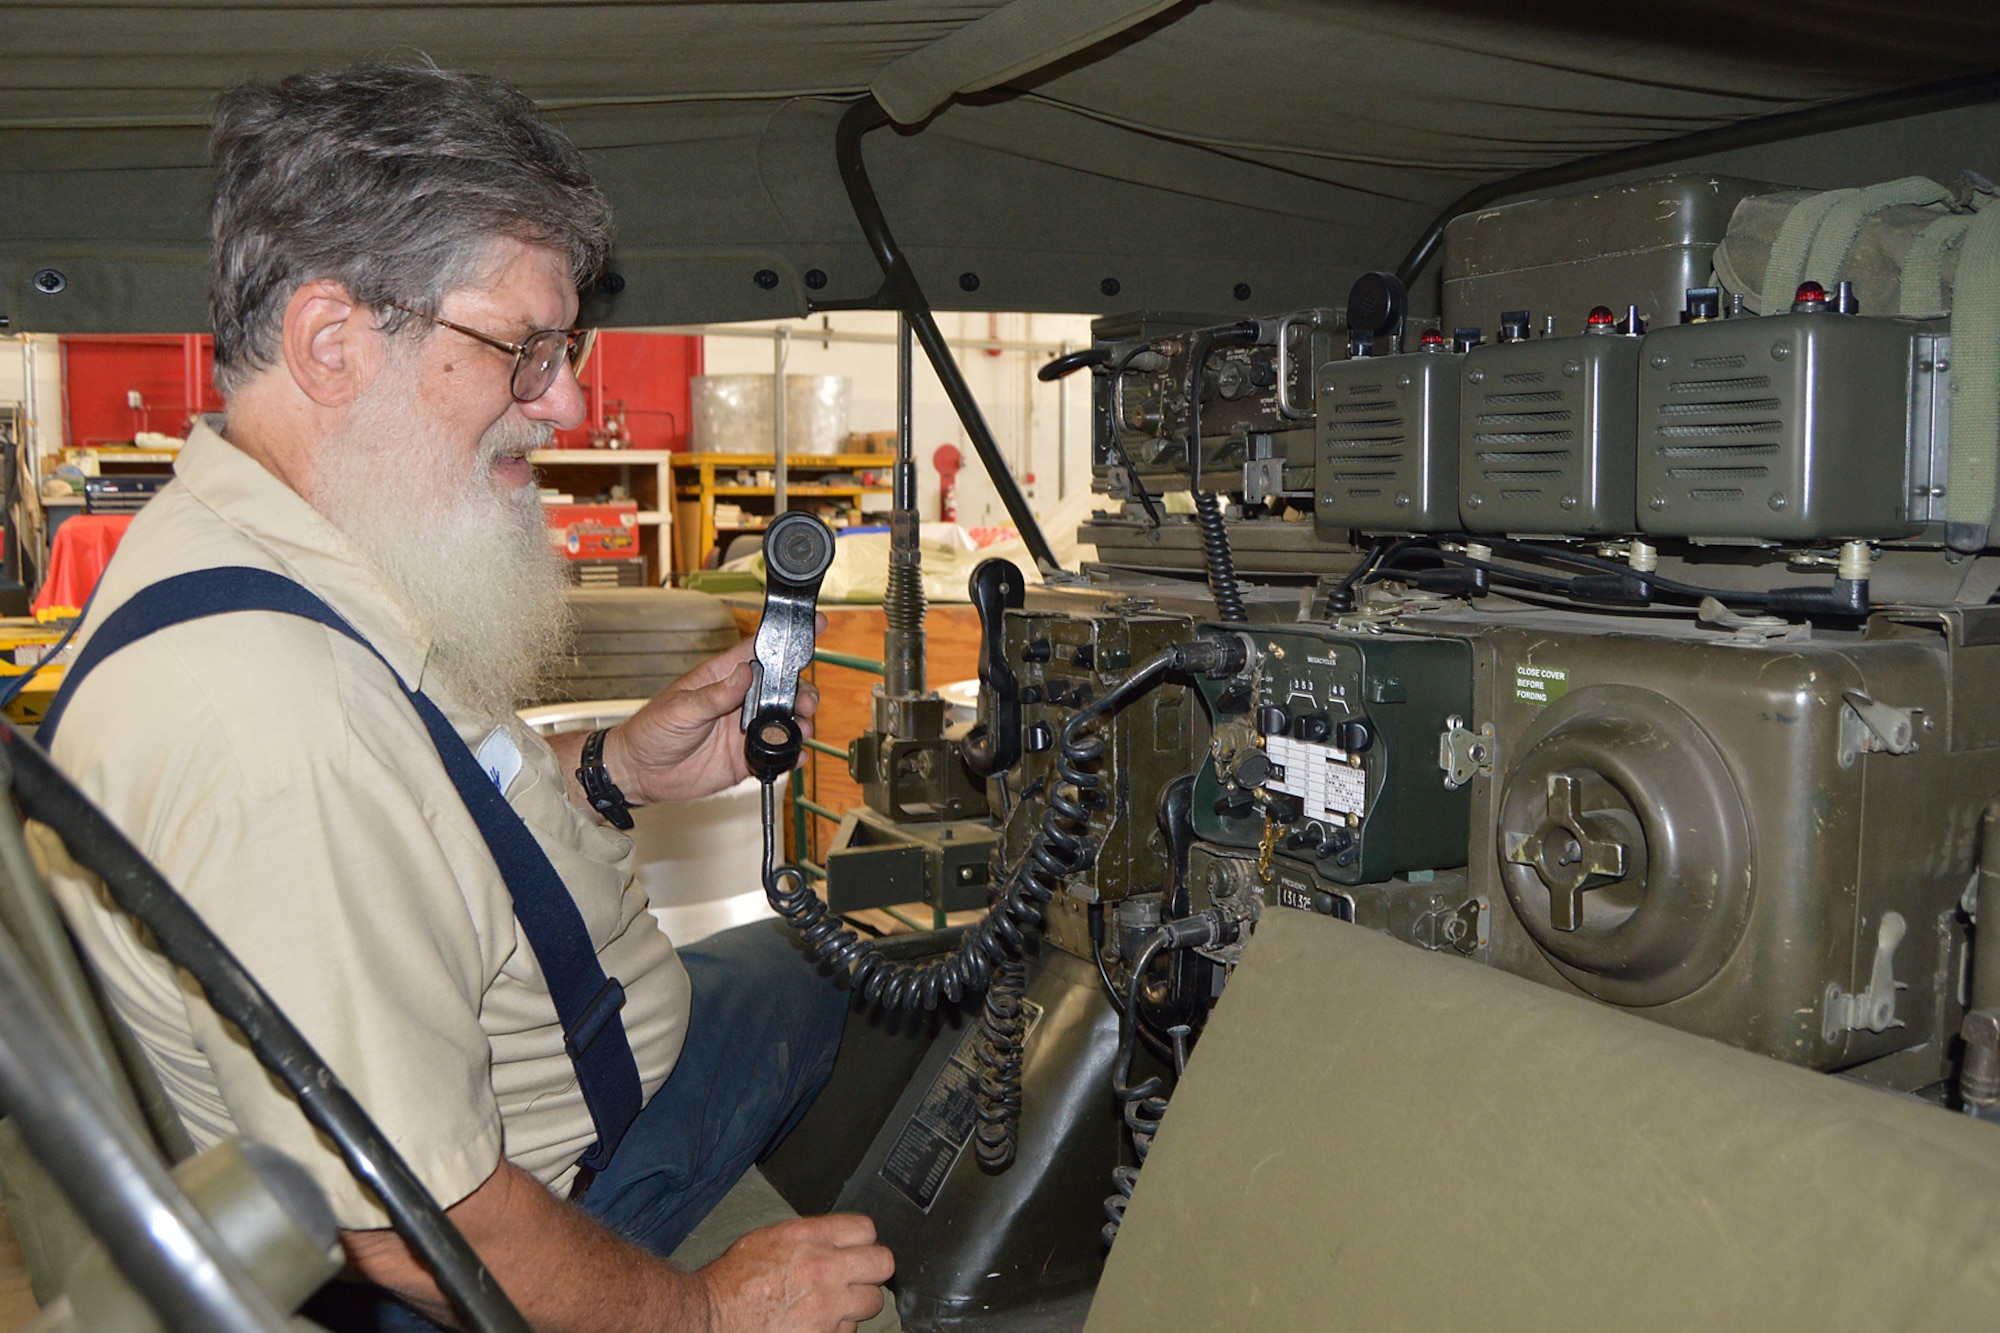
566	1273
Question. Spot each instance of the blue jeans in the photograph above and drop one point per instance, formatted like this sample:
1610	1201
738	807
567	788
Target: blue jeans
763	1029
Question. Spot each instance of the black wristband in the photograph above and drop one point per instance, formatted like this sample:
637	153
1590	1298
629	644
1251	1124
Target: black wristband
598	788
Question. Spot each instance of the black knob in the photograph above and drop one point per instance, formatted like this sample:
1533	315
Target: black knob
1263	373
1309	836
1253	771
1234	804
1312	727
1235	697
1038	650
1464	339
1031	694
1702	303
1514	325
1040	737
1273	720
1286	808
1355	735
1346	858
1338	839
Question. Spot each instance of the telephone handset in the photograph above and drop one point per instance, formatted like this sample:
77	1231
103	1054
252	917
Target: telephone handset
798	550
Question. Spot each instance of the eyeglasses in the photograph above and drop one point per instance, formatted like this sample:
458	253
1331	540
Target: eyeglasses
538	358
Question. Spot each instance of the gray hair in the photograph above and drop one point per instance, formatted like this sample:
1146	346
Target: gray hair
391	179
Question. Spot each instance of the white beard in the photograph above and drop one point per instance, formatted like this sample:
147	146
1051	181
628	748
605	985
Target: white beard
475	563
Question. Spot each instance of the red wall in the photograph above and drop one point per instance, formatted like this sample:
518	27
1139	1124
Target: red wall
169	371
639	377
643	379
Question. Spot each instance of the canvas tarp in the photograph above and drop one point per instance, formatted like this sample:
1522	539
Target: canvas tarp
1277	146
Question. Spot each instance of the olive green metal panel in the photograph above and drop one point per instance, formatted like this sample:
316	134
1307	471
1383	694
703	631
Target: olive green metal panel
1374	1137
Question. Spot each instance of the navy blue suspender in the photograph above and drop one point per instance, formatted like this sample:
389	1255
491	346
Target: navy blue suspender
587	1002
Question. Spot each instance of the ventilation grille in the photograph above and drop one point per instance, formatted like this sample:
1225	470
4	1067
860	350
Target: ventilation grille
1363	441
1524	443
1719	433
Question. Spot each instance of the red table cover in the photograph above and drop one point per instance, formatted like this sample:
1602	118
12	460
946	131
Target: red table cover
82	548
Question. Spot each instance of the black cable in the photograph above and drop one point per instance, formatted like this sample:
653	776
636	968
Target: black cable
1114	440
1642	586
1058	849
1143	1107
1216	555
1004	1033
142	892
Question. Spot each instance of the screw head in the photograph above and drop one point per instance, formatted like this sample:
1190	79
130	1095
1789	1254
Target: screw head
1241	291
1567	502
1777	501
968	282
1403	381
610	284
1658	502
1474	500
1572	368
1402	499
815	278
1110	287
1659	361
767	278
50	281
1780	350
1476	376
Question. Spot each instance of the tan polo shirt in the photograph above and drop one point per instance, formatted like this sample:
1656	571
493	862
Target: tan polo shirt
277	775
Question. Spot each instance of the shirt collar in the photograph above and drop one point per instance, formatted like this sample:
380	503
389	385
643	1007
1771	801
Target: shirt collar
305	545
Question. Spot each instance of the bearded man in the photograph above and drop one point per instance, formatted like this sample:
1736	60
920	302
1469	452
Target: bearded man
283	679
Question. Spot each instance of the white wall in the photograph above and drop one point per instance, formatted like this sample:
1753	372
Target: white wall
45	431
1020	410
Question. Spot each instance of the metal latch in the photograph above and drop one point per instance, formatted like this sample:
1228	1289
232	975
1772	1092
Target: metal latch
1868	727
1875	1008
1463	753
1461	929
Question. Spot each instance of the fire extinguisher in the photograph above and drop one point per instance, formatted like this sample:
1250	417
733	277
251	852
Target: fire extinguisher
947	460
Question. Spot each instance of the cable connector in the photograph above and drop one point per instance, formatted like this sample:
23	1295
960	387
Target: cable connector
1217	656
1204	930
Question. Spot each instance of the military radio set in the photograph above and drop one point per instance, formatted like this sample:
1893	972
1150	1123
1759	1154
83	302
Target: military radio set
1645	648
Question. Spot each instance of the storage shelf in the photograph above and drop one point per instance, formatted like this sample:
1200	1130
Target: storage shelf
809	488
649	478
650	457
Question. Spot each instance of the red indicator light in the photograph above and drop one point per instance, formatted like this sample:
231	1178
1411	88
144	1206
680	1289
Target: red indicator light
1432	338
1601	315
1810	291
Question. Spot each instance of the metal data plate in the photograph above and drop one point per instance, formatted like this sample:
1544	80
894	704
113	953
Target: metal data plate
1785	428
1388	444
1547	436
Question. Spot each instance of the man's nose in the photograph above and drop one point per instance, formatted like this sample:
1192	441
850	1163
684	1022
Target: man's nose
563	404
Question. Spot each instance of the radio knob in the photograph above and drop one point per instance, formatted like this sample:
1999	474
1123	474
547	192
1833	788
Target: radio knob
1273	720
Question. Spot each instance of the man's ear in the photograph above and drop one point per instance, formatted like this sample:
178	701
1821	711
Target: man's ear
331	346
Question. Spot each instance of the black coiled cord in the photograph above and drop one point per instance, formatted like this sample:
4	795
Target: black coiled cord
1216	555
1144	1107
1005	1032
1218	559
1058	849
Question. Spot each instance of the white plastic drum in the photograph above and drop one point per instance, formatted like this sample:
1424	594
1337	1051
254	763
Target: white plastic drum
700	862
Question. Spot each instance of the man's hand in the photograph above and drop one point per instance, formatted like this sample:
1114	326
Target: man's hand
568	1274
815	1273
686	742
